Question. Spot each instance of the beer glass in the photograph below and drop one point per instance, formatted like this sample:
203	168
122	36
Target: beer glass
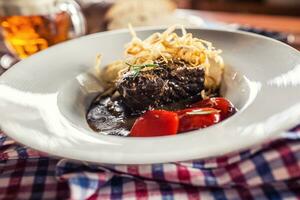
29	26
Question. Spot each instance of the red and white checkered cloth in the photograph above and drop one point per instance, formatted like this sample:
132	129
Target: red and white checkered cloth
269	171
28	174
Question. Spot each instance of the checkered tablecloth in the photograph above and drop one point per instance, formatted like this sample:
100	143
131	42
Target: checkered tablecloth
268	171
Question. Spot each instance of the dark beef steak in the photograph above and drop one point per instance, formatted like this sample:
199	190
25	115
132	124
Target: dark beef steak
170	82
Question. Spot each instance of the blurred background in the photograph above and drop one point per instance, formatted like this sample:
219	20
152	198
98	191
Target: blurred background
30	26
256	7
273	7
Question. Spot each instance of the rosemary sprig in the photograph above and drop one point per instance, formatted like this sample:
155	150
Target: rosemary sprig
203	112
136	69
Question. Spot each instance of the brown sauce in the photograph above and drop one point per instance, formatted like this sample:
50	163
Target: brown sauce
113	117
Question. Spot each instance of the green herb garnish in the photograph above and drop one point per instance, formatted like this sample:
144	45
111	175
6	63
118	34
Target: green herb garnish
136	69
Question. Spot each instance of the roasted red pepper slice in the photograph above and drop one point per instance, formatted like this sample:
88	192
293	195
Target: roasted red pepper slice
202	114
219	103
197	118
155	123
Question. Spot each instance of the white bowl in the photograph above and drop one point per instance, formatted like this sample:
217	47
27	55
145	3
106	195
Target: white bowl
45	99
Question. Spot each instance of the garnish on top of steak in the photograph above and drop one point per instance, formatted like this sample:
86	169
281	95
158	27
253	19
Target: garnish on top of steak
164	68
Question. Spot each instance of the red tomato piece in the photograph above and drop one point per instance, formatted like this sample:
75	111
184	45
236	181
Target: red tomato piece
155	123
219	103
197	118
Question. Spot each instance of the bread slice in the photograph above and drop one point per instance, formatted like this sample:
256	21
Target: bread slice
139	13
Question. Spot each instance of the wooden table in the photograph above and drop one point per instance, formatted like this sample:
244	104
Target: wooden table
289	25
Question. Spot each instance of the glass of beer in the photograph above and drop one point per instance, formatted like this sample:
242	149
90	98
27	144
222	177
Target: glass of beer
29	26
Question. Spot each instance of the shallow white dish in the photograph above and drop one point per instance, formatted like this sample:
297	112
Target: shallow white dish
43	100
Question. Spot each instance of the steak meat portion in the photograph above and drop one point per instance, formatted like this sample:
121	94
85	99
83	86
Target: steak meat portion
162	85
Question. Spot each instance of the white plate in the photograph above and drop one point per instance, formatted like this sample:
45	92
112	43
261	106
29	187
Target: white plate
43	100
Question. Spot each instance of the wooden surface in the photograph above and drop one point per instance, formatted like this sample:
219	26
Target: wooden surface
276	23
288	25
